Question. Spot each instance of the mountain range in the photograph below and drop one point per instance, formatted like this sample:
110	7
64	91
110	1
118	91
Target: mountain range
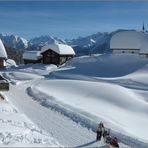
95	43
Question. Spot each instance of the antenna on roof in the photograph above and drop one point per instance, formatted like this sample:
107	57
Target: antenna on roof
143	28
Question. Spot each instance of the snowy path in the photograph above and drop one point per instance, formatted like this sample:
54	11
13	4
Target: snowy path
60	127
17	130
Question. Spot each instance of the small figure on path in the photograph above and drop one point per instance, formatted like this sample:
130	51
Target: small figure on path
100	131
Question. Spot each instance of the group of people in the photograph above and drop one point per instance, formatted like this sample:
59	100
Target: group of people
105	133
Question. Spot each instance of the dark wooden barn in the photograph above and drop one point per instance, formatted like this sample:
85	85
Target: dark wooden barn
56	53
51	57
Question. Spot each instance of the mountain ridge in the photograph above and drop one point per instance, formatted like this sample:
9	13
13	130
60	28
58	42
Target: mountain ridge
94	43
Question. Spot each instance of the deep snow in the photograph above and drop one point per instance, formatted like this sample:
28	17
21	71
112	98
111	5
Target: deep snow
17	130
73	98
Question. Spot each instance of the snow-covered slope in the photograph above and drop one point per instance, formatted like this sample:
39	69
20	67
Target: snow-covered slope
106	65
73	98
123	108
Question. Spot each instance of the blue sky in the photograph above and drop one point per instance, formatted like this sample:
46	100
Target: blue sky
70	19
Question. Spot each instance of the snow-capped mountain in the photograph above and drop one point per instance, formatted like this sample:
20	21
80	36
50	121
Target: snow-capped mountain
14	41
95	43
89	40
81	45
37	42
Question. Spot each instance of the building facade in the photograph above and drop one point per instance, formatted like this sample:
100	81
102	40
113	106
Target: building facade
51	57
133	42
57	53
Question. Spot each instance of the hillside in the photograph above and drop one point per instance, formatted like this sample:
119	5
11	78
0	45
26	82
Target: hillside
73	98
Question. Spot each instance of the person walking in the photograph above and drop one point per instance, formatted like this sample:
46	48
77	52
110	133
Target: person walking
100	131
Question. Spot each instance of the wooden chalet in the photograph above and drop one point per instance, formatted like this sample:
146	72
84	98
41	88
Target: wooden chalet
32	57
56	53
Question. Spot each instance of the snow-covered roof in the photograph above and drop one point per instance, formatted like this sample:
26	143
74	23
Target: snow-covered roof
130	40
61	49
3	53
32	55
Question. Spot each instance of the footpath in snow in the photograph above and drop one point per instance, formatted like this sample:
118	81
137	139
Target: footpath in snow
17	130
60	127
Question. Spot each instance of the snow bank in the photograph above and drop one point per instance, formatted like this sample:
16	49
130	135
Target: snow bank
10	63
18	77
17	130
40	69
122	109
102	65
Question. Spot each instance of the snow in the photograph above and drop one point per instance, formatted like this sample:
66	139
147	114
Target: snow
14	41
10	62
18	130
32	55
19	77
39	69
130	40
93	41
67	102
101	66
75	93
3	53
24	41
61	49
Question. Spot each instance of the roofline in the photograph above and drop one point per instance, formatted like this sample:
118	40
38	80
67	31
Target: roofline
124	49
143	53
55	52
